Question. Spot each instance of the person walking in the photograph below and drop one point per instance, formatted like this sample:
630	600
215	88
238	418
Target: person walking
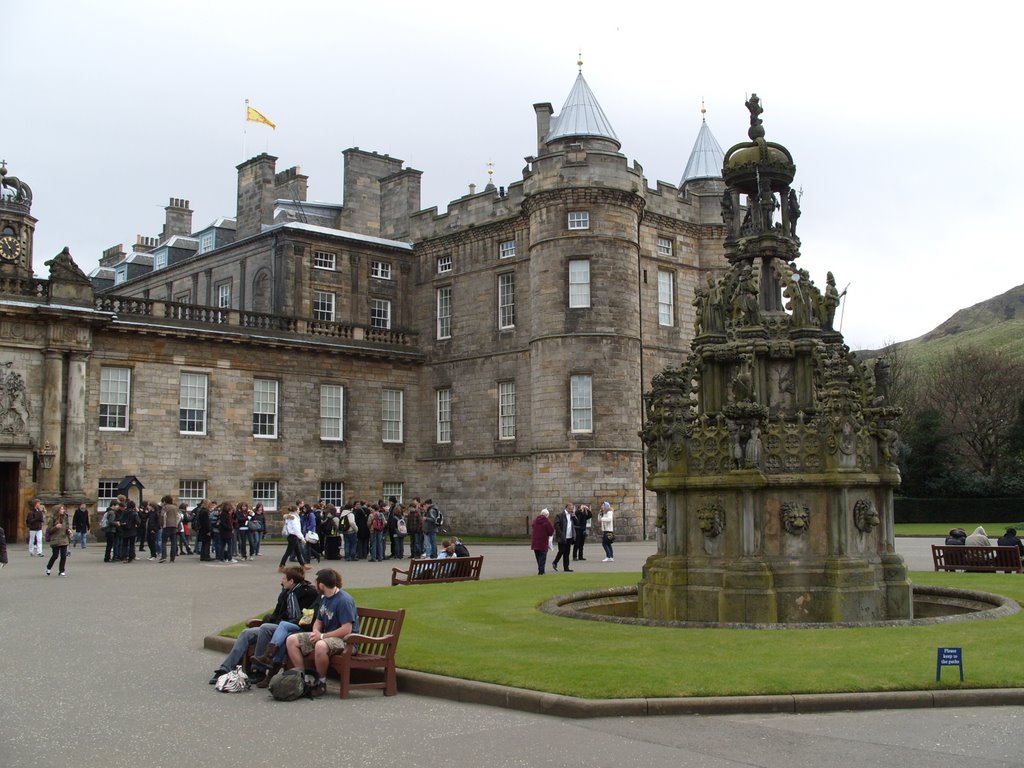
293	530
80	522
564	530
606	519
58	535
34	521
540	539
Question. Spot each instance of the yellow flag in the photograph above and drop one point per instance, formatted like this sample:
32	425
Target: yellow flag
257	117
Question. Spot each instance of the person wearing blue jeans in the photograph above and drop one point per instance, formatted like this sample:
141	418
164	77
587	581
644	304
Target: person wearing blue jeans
296	595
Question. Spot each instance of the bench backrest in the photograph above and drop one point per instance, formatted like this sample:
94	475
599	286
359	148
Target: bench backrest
953	555
377	622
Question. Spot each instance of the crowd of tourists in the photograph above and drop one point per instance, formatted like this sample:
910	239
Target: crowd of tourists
230	532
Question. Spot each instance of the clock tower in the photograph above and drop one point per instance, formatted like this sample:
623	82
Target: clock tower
17	227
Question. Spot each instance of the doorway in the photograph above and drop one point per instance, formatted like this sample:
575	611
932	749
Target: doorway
10	507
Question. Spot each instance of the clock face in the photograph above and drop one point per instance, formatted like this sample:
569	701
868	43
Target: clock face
10	248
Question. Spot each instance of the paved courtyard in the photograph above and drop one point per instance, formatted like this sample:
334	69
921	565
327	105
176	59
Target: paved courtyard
106	668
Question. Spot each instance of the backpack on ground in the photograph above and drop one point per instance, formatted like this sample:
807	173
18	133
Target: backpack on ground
289	685
234	681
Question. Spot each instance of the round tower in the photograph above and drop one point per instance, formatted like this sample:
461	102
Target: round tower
584	206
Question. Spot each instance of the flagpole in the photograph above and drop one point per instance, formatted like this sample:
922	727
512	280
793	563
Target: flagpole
245	126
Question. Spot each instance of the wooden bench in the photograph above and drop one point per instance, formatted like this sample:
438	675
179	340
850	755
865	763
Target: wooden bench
434	570
373	647
952	557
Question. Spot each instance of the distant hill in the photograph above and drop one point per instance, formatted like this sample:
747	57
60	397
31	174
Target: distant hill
996	324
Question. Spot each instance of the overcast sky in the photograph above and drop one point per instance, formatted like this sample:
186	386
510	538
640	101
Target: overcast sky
899	115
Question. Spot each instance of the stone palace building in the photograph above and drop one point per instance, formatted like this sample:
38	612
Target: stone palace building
492	357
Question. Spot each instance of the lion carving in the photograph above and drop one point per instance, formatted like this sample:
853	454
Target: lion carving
865	516
795	517
711	519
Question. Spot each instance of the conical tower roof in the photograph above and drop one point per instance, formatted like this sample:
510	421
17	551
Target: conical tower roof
581	116
706	157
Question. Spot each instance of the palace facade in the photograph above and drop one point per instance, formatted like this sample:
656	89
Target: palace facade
492	357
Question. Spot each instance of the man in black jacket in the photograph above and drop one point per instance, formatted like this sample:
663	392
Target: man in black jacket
80	523
204	531
296	595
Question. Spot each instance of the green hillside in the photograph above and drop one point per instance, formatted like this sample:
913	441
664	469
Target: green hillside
996	324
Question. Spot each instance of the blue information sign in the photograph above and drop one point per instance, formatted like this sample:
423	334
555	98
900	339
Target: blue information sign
949	657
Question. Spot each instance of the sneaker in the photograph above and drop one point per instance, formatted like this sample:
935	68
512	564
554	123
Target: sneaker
162	559
151	558
216	674
606	560
62	574
232	560
47	571
611	559
318	690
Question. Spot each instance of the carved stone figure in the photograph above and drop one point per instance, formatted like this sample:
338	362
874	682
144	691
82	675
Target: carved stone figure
13	402
711	519
753	105
728	211
865	516
752	450
713	321
745	308
794	211
830	303
795	517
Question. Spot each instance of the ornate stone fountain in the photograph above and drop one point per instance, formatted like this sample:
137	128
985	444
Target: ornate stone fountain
771	449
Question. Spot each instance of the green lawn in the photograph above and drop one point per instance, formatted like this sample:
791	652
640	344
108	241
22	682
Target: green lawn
492	631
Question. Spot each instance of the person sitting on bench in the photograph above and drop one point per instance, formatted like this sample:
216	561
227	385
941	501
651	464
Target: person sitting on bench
336	618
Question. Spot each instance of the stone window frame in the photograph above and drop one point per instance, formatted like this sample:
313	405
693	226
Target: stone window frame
325	260
191	492
106	492
443	412
392	488
325	306
380	313
507	249
115	398
193	402
666	298
665	247
506	301
222	294
581	403
265	396
332	412
444	263
577	288
380	270
578	220
265	492
392	415
507	410
444	312
332	492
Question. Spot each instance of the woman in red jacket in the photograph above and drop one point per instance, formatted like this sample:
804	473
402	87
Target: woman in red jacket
540	539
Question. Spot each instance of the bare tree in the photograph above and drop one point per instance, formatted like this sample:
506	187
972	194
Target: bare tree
977	392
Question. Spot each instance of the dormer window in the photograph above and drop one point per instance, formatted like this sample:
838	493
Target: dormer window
120	275
206	242
160	260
